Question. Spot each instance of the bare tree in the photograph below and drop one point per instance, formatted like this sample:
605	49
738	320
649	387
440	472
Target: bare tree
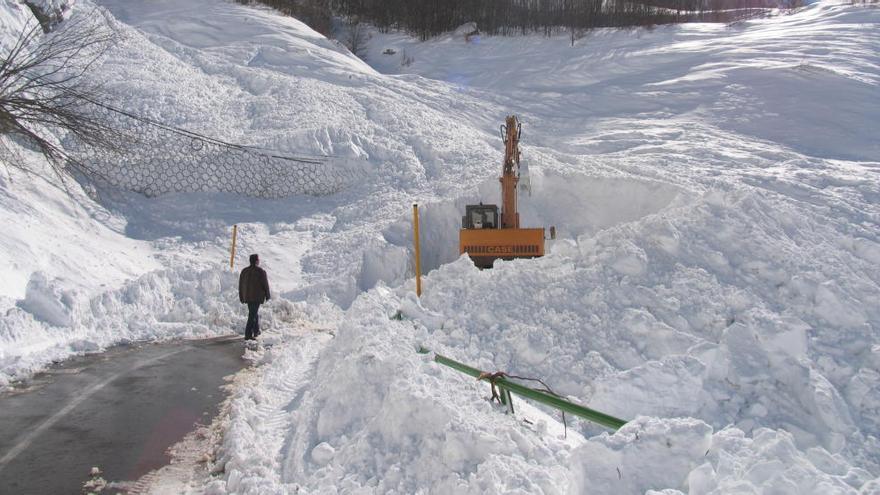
356	36
43	88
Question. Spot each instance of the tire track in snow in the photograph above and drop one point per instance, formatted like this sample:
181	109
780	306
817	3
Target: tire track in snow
259	418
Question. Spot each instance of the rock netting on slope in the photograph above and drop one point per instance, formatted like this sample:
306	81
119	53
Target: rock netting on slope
154	159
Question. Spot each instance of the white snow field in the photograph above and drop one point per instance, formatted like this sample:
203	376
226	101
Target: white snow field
715	280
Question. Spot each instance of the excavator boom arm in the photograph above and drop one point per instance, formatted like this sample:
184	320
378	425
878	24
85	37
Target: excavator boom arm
486	240
509	179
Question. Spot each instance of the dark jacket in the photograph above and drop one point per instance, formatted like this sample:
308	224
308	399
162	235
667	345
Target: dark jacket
253	285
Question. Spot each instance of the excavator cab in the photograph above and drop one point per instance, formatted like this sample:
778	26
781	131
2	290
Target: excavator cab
487	234
480	217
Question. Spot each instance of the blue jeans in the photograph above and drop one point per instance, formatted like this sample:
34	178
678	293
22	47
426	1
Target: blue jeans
252	329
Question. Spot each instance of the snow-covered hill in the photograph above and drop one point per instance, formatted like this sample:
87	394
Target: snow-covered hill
715	280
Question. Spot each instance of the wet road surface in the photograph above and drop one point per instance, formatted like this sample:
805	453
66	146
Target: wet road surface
119	411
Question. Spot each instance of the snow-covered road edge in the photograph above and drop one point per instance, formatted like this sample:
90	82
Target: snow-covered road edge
262	410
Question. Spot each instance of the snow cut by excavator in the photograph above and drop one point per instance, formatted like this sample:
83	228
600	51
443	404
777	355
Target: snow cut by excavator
487	234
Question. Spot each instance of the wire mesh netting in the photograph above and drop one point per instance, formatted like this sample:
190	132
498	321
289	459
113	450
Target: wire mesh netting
153	159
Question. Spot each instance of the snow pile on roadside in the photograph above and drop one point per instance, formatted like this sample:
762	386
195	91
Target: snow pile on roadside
649	454
53	322
717	263
51	224
55	228
669	316
736	299
371	414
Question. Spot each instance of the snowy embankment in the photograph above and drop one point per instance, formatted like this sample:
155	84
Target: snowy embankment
716	191
715	280
262	80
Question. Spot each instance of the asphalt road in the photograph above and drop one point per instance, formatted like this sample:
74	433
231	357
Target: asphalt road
119	411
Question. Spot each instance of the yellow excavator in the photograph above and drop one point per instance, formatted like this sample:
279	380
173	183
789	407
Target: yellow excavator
487	235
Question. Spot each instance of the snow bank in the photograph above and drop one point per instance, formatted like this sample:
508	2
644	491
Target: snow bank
576	204
367	413
57	229
714	281
51	224
668	316
684	456
372	415
730	297
53	322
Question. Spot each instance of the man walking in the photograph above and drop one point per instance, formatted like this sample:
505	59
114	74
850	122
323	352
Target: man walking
253	290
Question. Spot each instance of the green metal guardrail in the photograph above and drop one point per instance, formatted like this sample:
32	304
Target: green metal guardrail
506	386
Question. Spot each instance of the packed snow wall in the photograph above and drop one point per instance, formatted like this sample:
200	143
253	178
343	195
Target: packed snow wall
575	204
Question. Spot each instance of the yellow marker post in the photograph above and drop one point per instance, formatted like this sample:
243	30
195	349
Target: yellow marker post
418	254
232	255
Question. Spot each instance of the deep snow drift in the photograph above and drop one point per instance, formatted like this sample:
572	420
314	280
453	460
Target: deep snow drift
715	280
